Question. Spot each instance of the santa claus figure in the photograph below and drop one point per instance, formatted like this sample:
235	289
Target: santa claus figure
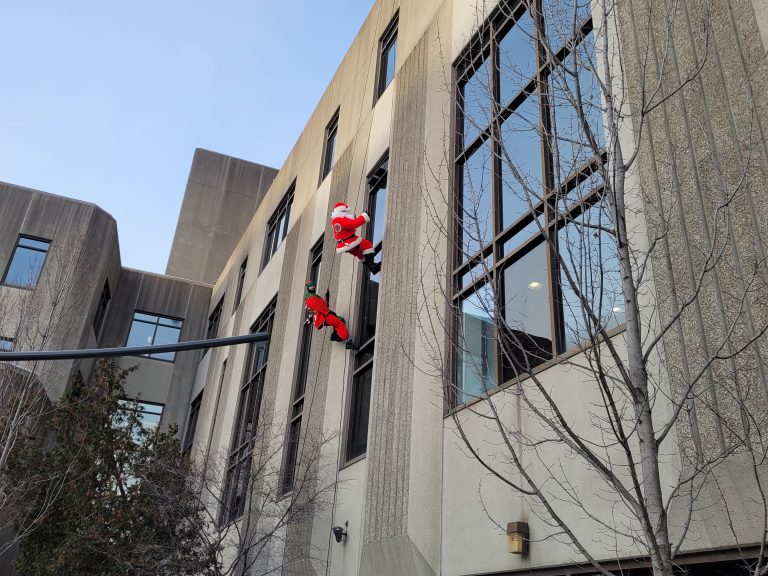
345	225
321	315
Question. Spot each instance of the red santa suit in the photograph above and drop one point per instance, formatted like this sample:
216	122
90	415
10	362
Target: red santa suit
324	316
345	226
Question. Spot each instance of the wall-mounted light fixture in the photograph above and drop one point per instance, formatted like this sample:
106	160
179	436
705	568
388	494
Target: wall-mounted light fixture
517	538
339	533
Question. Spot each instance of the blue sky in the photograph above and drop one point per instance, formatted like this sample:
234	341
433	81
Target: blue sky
106	101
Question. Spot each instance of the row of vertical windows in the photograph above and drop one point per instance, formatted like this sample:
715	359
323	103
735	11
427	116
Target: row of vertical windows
362	376
527	164
296	411
277	227
246	421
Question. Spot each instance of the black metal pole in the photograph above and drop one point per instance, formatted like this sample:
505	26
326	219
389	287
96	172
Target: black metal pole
132	351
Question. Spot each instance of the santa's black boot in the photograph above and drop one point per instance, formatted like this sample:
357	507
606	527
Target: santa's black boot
351	345
374	267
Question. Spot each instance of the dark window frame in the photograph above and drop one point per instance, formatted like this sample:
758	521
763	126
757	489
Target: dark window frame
18	245
101	309
277	226
485	48
296	411
329	146
387	42
134	405
156	324
361	382
247	413
214	320
194	414
240	283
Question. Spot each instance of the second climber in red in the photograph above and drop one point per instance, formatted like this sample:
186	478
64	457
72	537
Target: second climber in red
321	315
345	225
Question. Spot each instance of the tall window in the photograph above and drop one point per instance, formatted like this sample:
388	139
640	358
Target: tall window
277	227
150	329
194	413
240	283
27	262
101	309
387	56
329	146
529	151
246	422
297	403
362	377
213	320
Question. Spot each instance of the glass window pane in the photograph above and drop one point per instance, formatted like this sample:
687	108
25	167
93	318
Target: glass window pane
170	322
389	62
477	217
141	334
528	330
477	102
166	335
476	272
145	317
563	19
520	162
361	403
25	267
32	243
523	235
379	218
591	258
517	58
369	303
569	114
476	371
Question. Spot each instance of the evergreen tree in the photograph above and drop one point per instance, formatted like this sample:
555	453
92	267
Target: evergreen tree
123	502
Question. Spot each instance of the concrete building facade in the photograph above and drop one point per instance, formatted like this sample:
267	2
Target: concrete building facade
390	135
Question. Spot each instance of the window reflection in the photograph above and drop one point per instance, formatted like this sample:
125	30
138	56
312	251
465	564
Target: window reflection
477	345
563	20
477	201
528	332
521	150
476	98
591	258
517	58
571	105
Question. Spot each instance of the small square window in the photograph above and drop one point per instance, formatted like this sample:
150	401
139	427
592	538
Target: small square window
329	147
27	262
7	344
151	329
387	57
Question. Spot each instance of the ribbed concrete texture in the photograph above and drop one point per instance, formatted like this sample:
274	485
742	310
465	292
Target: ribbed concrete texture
387	548
221	197
703	170
300	535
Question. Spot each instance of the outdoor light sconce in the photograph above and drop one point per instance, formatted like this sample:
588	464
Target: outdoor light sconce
517	538
339	533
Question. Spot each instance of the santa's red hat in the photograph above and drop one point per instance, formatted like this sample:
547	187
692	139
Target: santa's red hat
340	208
